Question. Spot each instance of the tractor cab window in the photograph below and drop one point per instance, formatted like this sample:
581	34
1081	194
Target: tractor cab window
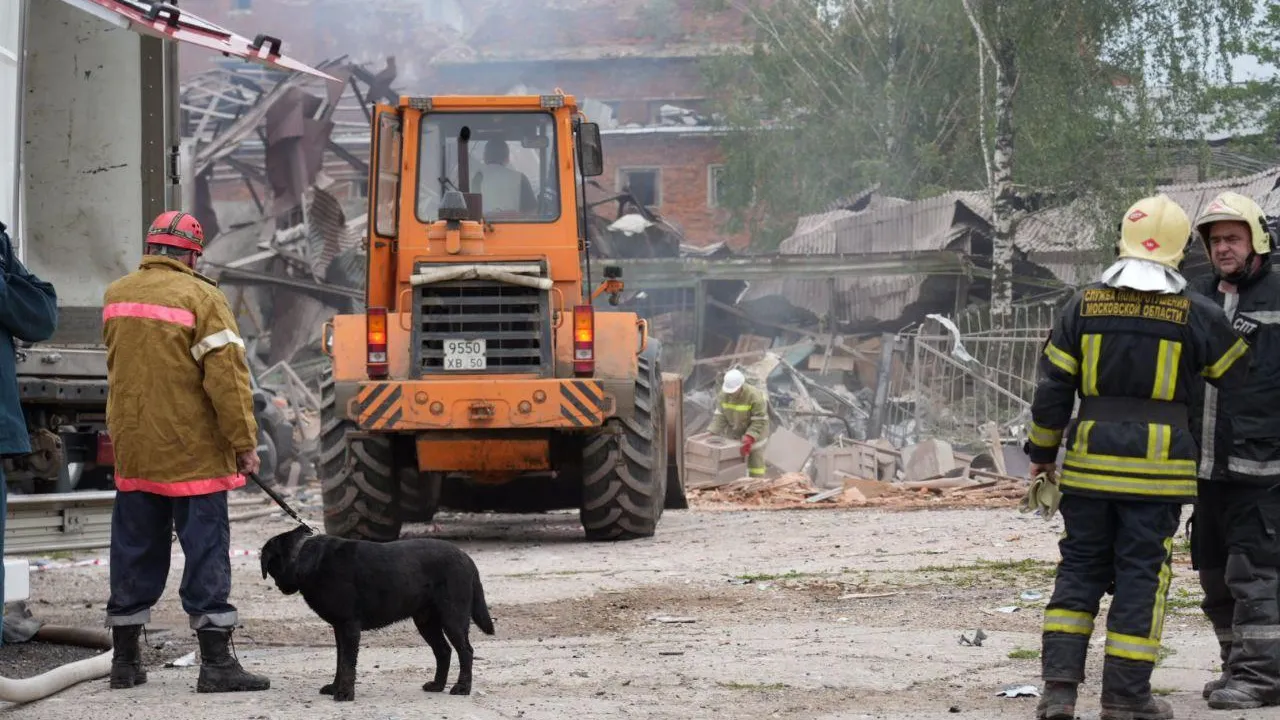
507	158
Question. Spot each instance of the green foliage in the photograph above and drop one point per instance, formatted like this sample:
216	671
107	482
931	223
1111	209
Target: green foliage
1108	95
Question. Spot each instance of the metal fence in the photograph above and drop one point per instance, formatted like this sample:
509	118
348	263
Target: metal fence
961	380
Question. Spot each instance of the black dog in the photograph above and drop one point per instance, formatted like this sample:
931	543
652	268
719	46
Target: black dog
358	585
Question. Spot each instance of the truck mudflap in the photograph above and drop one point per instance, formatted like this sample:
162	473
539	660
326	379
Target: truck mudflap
408	405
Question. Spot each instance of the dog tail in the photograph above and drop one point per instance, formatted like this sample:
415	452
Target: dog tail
480	609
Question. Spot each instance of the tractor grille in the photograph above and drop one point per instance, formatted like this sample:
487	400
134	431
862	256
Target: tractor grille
513	321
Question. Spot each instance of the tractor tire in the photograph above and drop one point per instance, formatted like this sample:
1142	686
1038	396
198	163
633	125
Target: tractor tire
360	486
625	464
419	496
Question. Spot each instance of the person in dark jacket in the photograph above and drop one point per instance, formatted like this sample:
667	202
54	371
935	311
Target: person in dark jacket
1235	546
28	312
1133	347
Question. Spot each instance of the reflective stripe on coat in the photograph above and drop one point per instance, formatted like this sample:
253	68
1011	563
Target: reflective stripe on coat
179	403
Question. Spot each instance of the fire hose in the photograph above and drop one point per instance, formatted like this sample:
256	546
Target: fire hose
26	690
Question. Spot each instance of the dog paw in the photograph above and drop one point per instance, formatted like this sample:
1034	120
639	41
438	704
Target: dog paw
460	690
344	695
328	689
433	686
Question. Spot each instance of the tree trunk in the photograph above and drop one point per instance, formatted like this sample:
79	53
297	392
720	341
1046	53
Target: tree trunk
1005	207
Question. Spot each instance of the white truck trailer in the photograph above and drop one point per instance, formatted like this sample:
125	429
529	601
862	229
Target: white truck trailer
89	155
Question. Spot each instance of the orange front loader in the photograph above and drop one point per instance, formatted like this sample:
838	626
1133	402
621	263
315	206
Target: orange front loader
482	376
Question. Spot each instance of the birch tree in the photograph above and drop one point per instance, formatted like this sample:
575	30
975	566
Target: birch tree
1118	83
1039	103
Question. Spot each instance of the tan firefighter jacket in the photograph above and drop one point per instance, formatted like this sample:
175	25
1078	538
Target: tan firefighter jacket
179	404
745	412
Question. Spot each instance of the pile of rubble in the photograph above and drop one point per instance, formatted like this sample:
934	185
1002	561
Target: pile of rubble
851	473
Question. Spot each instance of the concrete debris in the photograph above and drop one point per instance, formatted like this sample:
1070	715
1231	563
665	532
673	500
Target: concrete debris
845	484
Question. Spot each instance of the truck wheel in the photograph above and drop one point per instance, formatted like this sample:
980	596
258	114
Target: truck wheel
625	464
359	483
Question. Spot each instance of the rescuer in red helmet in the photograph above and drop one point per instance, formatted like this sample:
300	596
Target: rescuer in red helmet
180	414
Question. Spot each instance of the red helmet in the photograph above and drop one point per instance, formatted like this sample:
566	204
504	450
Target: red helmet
177	229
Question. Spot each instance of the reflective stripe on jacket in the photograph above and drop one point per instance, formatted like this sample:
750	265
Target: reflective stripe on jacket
745	412
1240	435
1119	343
179	404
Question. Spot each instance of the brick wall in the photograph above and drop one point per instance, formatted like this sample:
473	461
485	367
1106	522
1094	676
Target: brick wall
637	85
684	162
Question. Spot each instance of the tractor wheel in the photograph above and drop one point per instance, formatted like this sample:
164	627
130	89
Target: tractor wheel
358	476
419	495
625	464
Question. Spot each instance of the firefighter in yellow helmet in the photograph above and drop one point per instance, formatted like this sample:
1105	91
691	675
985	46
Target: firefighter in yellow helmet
1235	547
1132	347
742	413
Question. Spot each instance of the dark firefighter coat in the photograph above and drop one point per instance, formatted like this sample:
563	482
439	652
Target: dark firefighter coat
179	403
1240	438
28	311
1135	359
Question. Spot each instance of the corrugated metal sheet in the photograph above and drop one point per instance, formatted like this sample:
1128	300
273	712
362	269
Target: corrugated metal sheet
921	225
1195	197
1054	238
888	225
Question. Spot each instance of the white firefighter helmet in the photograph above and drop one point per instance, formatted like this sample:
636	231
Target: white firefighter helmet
1236	208
733	381
1155	228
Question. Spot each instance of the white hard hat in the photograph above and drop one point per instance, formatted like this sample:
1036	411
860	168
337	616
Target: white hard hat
733	381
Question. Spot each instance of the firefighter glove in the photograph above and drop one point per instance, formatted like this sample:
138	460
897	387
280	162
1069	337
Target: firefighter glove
1043	495
747	442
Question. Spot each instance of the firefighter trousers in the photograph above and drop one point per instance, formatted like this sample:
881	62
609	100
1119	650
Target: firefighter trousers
1235	547
142	525
1120	543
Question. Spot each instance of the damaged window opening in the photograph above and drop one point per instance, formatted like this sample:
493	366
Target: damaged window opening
512	161
644	184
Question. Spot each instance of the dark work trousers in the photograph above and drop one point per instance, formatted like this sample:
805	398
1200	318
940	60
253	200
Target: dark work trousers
141	529
1236	550
1129	544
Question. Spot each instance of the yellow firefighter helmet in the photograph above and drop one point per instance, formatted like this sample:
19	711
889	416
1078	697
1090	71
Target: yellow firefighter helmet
1155	228
1236	208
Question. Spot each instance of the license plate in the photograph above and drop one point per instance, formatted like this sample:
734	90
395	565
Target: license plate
464	355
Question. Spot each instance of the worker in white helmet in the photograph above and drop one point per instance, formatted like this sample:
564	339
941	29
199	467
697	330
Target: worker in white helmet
742	413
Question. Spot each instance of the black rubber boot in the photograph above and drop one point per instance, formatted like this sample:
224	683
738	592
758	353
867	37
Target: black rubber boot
126	657
1126	691
1255	680
219	671
1058	701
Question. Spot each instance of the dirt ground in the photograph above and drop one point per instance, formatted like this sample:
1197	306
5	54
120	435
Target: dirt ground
831	613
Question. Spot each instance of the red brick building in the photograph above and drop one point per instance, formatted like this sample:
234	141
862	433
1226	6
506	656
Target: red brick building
633	58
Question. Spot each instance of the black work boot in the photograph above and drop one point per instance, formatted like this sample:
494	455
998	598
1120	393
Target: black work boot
219	671
126	657
1126	691
1254	681
1058	701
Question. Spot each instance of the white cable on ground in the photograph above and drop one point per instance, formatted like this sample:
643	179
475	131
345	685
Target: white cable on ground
56	680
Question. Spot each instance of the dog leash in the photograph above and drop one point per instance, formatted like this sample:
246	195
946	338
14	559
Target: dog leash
280	501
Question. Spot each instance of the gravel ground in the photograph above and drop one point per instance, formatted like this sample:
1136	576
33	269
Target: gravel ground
840	613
